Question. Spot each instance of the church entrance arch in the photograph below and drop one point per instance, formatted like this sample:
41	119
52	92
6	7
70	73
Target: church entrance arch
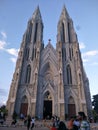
24	106
47	108
71	107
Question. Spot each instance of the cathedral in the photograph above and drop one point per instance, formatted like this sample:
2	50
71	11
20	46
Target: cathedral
49	81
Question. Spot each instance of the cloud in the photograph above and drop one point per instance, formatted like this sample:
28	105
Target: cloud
89	57
90	53
13	59
3	35
13	51
2	44
85	60
82	45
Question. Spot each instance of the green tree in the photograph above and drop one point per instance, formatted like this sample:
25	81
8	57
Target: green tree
95	103
4	111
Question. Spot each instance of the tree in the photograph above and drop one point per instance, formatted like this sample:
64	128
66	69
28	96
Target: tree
95	103
4	111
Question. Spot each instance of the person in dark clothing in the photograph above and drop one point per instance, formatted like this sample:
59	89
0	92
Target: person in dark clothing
28	122
62	126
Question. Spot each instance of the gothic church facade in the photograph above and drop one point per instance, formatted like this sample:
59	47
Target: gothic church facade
49	81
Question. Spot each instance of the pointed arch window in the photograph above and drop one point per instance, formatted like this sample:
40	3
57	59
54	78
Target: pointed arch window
33	54
69	76
64	53
63	33
29	33
35	35
27	53
69	32
70	53
28	74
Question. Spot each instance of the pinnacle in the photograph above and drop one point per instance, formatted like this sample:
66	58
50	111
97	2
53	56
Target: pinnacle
64	12
37	13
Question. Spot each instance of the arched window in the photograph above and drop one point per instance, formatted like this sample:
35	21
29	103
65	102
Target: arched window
69	32
33	54
28	74
63	33
27	53
35	35
64	53
29	33
70	53
69	76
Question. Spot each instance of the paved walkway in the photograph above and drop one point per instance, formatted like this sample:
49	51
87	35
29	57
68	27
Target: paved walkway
39	126
21	128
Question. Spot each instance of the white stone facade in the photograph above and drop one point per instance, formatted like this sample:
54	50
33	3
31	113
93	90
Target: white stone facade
44	75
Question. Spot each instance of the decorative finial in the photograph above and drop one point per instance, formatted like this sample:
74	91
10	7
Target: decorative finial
49	40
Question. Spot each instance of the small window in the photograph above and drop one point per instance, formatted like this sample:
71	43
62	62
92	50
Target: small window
69	76
28	74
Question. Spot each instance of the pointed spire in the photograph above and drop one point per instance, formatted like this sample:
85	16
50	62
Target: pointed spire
37	14
64	13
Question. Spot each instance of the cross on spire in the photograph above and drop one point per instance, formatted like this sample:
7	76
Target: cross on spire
49	40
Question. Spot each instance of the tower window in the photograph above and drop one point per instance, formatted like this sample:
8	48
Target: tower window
68	32
35	35
27	53
70	53
64	53
29	33
63	33
69	76
28	74
33	54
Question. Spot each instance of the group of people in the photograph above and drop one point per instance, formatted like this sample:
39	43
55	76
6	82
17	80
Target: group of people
74	123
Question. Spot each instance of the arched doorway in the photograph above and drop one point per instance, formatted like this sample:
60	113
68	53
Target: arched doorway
47	108
71	107
24	106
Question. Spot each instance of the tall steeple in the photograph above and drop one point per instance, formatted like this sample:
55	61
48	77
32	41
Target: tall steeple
27	62
37	14
66	33
64	13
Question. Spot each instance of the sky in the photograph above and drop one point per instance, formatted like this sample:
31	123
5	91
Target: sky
14	15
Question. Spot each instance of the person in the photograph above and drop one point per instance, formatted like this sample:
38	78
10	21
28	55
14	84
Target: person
32	123
70	124
14	122
21	116
76	124
62	126
28	122
84	124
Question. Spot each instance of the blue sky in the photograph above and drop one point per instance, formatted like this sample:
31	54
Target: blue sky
14	15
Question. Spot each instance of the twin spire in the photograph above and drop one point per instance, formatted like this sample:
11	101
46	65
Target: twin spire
37	14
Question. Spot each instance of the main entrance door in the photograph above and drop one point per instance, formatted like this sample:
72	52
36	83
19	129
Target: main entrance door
24	106
71	107
71	110
47	108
